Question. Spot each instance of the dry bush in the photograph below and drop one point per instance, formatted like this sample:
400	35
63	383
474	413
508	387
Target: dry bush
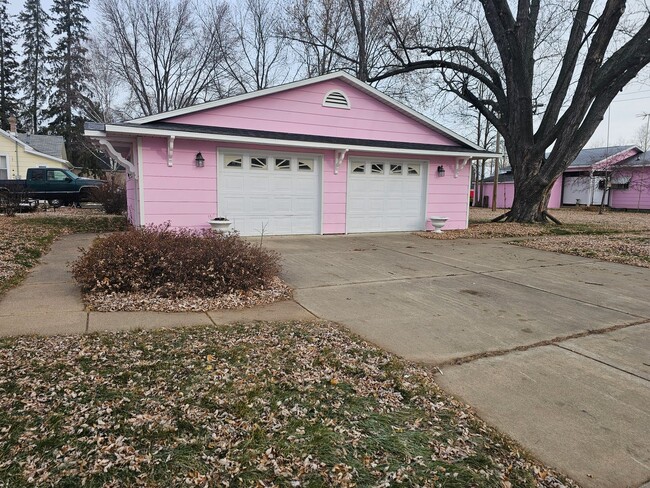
112	196
175	263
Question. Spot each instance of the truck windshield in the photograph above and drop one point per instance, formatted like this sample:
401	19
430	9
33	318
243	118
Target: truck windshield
70	174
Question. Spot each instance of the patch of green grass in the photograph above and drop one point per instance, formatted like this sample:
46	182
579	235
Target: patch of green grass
244	404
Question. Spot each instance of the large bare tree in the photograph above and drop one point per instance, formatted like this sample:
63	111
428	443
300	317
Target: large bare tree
253	55
165	51
569	57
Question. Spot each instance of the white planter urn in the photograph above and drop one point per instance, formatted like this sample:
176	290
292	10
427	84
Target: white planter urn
220	224
438	223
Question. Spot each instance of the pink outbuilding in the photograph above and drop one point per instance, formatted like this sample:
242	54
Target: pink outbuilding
327	155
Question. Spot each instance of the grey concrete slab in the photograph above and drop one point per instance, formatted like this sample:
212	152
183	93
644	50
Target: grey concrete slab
53	322
438	319
103	321
275	312
611	285
477	255
588	419
363	264
42	298
627	349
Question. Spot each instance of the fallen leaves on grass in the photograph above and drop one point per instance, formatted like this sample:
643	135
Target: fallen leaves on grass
488	231
300	404
130	302
631	249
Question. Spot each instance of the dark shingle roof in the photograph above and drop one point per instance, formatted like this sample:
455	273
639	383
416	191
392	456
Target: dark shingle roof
641	159
50	145
589	157
506	177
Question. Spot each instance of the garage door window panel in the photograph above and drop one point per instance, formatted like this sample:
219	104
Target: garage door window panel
306	165
258	163
377	168
233	161
282	164
358	168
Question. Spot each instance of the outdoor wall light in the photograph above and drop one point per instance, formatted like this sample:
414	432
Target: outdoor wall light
199	160
441	171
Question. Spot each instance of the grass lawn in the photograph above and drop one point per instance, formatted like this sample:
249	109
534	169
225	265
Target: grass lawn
25	238
301	404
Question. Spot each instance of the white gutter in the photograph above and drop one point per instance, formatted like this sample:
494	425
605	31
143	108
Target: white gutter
149	131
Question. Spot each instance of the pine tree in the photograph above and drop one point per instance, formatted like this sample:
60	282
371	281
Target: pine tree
8	67
69	66
33	70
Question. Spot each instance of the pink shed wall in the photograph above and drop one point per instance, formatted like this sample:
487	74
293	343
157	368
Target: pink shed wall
506	193
637	196
448	196
130	200
184	195
300	111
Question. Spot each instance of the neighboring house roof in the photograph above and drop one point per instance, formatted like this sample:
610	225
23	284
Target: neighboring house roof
30	149
597	155
641	159
506	177
46	144
341	75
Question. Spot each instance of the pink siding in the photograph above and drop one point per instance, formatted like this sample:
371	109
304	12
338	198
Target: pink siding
334	195
506	193
184	195
637	196
448	196
300	111
130	200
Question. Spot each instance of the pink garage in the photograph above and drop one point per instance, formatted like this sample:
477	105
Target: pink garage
328	155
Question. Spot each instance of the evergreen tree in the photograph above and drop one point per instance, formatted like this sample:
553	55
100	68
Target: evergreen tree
33	70
69	66
8	67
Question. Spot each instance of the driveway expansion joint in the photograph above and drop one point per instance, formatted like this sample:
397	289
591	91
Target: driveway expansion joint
548	342
586	356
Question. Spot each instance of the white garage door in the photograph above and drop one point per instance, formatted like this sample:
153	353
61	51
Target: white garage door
270	193
385	196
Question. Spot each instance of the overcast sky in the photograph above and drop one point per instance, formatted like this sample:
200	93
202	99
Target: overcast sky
620	126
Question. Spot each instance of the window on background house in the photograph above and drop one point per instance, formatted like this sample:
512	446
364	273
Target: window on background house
4	168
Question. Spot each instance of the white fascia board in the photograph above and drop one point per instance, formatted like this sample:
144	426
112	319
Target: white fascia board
310	81
148	131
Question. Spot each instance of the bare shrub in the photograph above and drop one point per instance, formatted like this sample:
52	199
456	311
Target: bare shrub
175	263
112	196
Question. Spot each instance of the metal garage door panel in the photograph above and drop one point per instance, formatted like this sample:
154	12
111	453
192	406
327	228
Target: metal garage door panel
386	202
276	202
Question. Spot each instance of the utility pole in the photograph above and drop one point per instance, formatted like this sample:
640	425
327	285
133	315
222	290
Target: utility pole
496	174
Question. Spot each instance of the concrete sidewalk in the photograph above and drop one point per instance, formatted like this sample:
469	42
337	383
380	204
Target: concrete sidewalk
49	302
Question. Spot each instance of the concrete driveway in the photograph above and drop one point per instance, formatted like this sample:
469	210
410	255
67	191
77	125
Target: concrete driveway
553	350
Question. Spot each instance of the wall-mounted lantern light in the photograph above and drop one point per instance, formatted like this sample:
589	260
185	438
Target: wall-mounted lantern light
441	171
199	160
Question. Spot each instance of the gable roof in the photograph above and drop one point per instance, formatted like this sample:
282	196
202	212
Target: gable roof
28	148
340	75
592	156
51	145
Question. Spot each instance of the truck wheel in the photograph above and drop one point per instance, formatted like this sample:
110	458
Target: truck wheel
56	203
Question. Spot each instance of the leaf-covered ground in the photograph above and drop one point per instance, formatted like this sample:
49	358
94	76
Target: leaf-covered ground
301	404
25	238
631	249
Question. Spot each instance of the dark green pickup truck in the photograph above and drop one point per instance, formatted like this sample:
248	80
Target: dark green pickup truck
57	186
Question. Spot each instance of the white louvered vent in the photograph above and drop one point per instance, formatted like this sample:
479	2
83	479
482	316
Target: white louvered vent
336	99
